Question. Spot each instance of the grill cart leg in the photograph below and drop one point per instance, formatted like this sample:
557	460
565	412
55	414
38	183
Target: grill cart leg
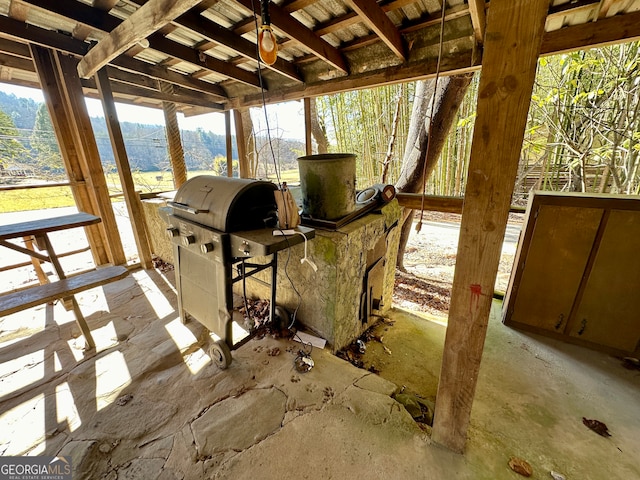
220	354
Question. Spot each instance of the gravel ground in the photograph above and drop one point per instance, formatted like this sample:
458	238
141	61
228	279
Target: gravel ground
430	260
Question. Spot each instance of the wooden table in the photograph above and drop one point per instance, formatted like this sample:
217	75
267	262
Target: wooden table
64	287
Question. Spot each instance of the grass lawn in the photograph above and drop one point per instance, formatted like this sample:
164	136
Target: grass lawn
53	197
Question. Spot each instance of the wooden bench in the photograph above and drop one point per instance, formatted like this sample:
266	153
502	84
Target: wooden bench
67	287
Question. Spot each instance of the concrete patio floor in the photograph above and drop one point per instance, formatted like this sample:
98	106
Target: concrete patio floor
150	404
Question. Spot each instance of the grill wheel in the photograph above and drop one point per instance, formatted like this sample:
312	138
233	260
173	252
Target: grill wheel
220	353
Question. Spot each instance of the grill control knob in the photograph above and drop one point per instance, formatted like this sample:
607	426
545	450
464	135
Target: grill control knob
188	240
172	232
206	247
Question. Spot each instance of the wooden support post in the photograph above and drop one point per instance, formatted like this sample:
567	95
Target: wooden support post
241	144
56	105
512	42
131	197
88	148
227	132
176	153
36	262
307	126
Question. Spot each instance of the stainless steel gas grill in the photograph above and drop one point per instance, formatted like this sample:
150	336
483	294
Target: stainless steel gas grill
215	225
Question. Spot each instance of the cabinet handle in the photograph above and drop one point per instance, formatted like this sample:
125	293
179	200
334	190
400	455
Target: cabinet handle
560	320
583	325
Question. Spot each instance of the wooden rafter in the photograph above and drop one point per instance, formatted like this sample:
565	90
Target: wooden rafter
139	25
373	15
223	36
216	34
162	73
19	31
595	34
159	42
297	31
478	19
84	14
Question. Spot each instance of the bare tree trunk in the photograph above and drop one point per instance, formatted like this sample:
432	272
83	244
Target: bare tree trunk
392	140
416	167
318	130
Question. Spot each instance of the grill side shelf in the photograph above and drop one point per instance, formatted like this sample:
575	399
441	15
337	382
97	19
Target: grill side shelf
261	242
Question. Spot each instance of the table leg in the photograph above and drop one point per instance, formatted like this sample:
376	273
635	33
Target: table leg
36	262
82	324
43	241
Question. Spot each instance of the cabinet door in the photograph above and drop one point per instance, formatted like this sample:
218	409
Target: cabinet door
553	265
609	311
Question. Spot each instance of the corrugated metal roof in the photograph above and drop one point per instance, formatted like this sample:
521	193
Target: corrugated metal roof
323	40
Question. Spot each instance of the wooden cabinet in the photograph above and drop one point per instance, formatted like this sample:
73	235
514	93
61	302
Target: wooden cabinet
576	274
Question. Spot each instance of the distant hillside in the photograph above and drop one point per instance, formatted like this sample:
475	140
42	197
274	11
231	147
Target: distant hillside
146	144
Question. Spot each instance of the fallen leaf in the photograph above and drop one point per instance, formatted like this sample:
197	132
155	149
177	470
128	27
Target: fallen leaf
520	466
597	426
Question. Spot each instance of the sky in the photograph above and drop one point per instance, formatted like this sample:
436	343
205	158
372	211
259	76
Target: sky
286	120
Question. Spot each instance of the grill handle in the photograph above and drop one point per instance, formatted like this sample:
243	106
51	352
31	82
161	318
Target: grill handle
186	208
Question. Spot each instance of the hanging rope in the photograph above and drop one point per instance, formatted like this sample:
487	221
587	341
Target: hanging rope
433	101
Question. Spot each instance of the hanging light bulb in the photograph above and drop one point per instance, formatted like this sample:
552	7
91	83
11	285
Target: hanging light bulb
267	43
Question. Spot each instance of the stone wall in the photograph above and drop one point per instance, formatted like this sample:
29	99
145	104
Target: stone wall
156	227
328	303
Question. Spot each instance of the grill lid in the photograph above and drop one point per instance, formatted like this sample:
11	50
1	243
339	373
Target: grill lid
226	204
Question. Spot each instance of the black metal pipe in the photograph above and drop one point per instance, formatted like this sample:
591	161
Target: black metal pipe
264	8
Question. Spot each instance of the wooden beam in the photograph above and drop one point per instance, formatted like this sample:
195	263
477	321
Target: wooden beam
87	15
159	42
47	38
223	36
87	148
39	36
452	65
14	48
436	203
309	40
18	11
56	105
608	31
17	63
123	88
162	73
153	15
512	43
478	19
131	199
376	19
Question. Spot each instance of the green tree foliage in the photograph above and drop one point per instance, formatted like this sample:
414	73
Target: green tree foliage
44	144
11	150
361	122
21	110
583	132
584	122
